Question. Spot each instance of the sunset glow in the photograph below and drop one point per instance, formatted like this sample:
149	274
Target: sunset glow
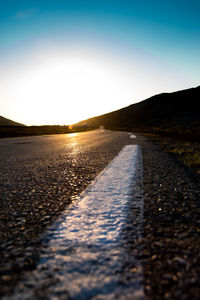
65	89
62	63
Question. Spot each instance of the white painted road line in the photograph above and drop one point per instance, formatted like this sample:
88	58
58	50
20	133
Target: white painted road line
132	136
86	253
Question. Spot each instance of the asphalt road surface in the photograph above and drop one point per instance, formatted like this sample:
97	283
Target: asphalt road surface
41	177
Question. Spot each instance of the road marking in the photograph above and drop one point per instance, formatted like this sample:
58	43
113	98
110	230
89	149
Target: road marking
132	136
88	253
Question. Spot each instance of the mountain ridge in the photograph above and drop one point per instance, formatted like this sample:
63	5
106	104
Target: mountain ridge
164	110
7	122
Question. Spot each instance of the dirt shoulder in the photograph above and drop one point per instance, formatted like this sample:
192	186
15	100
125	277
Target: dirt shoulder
185	151
171	255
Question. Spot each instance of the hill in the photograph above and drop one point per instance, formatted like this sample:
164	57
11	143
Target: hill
7	122
168	112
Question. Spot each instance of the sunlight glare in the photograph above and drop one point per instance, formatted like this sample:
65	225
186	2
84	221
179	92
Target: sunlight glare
71	135
65	89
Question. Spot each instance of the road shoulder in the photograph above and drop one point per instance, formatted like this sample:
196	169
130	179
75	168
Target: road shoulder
171	227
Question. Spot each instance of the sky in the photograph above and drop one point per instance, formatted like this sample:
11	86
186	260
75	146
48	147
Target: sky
63	61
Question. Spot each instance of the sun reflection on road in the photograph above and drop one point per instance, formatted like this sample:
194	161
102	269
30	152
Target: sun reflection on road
71	135
72	143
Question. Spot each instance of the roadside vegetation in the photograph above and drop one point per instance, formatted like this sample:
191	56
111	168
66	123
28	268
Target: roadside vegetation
181	142
16	131
181	145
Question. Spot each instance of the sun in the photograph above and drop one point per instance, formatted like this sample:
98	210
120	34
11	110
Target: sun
65	89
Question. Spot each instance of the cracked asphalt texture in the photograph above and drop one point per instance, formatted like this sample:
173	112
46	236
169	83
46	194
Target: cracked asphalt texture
41	175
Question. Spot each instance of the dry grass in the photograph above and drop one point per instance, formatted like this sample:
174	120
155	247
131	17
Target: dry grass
187	152
191	159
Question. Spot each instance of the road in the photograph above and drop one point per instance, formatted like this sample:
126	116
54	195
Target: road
40	178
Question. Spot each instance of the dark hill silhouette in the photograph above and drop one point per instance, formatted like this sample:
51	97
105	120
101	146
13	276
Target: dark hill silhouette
164	111
7	122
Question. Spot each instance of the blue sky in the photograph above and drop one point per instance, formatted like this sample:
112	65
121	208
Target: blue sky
107	55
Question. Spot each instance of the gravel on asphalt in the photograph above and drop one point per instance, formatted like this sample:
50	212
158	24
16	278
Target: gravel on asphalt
39	177
37	187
